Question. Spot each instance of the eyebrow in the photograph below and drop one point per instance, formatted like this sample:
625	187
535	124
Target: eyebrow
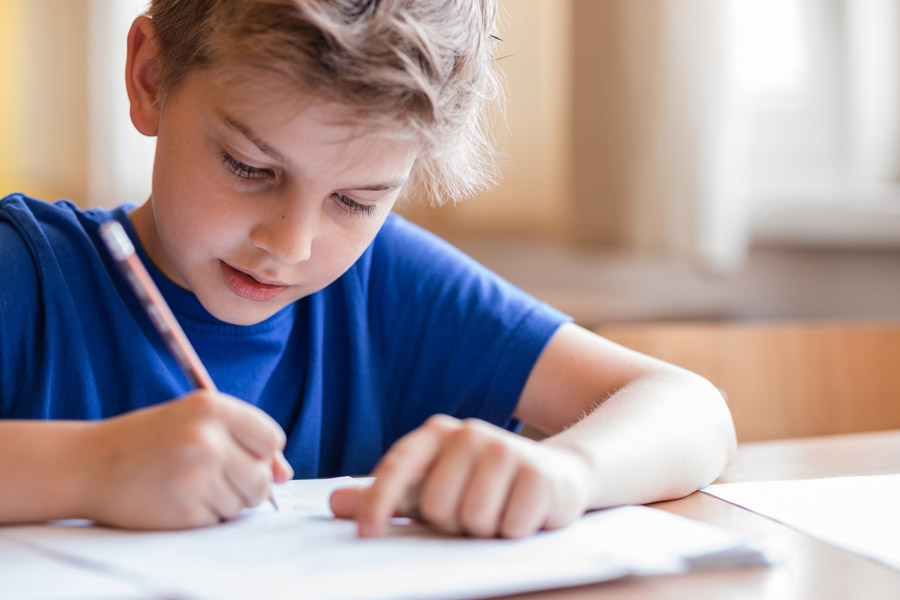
267	149
245	131
379	187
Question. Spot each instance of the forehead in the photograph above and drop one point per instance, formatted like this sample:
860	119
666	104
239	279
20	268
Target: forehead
302	129
281	97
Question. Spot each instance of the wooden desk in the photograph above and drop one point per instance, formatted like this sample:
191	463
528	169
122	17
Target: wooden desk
808	569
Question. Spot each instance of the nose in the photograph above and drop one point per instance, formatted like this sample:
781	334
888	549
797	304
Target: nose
287	236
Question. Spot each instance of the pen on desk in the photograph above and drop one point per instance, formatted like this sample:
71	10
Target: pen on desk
122	251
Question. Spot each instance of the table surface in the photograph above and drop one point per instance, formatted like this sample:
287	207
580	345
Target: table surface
805	568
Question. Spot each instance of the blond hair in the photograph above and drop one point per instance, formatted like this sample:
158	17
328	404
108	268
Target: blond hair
424	67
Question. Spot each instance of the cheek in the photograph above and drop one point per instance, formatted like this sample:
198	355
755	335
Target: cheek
190	199
185	169
356	240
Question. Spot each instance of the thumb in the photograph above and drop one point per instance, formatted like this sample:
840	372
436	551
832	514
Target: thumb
281	469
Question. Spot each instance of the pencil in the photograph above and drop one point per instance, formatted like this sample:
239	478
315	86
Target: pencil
153	303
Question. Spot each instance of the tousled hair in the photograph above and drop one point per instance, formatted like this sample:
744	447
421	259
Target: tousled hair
423	67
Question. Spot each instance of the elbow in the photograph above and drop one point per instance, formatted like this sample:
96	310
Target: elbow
721	438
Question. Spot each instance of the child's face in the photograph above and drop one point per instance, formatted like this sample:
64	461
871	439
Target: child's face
257	203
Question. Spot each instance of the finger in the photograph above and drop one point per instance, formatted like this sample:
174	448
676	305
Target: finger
281	468
194	512
482	506
404	465
527	505
345	502
250	477
205	516
447	479
251	427
409	504
224	499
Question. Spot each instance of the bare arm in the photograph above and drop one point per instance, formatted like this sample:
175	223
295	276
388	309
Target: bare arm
184	463
40	470
625	428
649	430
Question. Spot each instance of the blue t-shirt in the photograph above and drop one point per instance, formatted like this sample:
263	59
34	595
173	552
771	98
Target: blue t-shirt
412	329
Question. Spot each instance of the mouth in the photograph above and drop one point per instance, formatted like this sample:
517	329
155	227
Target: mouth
248	286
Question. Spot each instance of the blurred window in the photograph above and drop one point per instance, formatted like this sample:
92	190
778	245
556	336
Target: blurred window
819	82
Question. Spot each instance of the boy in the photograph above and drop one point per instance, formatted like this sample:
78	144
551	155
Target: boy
286	130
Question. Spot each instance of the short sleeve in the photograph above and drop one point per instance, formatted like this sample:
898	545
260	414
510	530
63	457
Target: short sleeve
450	335
19	312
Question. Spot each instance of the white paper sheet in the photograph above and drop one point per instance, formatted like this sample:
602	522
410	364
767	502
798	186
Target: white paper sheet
302	551
24	573
860	513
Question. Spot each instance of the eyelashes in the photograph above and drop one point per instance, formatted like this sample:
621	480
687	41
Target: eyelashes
244	171
354	207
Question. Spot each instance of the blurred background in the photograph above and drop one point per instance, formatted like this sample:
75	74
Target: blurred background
663	159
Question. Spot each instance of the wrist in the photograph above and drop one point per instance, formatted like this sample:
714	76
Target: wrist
585	468
41	470
75	470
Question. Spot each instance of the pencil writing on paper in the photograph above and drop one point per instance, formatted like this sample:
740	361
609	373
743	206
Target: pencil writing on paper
153	303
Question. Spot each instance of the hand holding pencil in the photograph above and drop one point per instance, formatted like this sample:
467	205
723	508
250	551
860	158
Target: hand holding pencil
192	461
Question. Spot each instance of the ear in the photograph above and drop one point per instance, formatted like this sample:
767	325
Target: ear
142	77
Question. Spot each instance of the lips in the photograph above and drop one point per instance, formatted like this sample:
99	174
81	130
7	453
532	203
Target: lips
248	287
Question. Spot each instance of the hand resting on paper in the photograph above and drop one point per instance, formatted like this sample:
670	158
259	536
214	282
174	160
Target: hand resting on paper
471	478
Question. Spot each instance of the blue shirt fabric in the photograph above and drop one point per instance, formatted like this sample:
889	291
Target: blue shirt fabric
413	328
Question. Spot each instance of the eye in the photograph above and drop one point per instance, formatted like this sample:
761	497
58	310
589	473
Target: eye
352	206
243	170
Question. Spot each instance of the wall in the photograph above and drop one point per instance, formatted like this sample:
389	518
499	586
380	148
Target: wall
44	106
533	195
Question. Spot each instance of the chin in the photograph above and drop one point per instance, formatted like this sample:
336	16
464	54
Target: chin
244	320
242	315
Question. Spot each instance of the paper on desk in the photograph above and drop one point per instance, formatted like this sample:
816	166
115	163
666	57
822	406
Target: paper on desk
857	513
302	551
24	572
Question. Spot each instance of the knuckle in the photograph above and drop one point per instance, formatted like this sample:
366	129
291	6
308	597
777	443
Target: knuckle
392	461
441	423
469	438
529	474
203	405
473	423
403	451
497	451
201	447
